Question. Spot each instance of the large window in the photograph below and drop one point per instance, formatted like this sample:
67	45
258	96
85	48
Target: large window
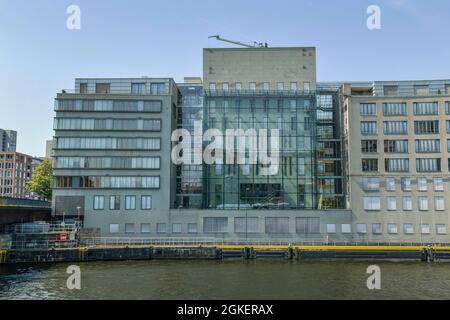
369	165
215	225
277	225
108	105
391	203
108	162
426	127
368	127
407	203
368	109
107	124
439	203
368	146
395	127
130	202
138	88
425	108
146	202
371	203
246	225
394	109
108	182
99	202
428	146
428	165
396	146
396	165
114	202
371	184
307	225
158	88
109	143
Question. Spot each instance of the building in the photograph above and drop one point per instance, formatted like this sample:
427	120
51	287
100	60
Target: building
49	149
355	161
15	170
397	142
8	140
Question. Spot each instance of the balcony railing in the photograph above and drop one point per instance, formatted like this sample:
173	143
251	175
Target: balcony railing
258	92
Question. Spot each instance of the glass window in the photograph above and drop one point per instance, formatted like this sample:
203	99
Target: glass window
238	86
145	227
176	227
396	146
114	202
441	229
113	228
425	108
307	225
371	203
422	184
428	165
138	88
423	203
368	146
252	86
130	202
371	184
331	228
391	203
407	203
438	184
129	227
280	86
368	109
421	90
293	86
439	203
306	86
368	127
395	127
392	228
426	127
369	165
390	90
361	228
428	146
406	184
212	86
390	184
376	228
160	228
146	202
425	228
396	165
346	228
394	109
246	225
99	202
102	88
215	225
277	225
408	228
192	228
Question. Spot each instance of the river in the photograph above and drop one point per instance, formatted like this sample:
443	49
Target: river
227	280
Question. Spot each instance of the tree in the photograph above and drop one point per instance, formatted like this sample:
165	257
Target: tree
41	181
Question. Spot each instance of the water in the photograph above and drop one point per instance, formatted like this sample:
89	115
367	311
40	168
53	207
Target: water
227	280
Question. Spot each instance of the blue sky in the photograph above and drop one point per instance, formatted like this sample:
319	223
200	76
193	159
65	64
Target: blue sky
39	56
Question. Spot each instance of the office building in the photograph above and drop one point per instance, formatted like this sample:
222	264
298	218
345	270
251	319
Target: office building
8	140
16	169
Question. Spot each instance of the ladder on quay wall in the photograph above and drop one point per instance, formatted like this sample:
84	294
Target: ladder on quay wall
2	256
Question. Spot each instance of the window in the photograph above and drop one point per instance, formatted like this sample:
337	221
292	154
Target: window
396	165
293	86
145	227
421	90
102	88
390	184
146	202
407	203
438	184
277	225
266	86
225	86
215	225
428	165
395	127
306	86
441	229
447	108
138	88
426	127
238	86
130	202
406	184
392	228
160	228
425	108
192	227
428	146
371	203
368	127
307	225
346	228
422	184
108	143
361	228
331	228
390	90
129	227
423	203
99	202
369	146
280	86
371	184
113	228
158	88
376	228
368	109
252	86
394	109
396	146
369	165
439	204
425	228
391	203
114	202
408	228
245	225
176	227
83	88
212	86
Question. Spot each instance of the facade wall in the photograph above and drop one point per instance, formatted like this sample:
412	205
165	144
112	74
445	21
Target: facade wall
16	170
8	140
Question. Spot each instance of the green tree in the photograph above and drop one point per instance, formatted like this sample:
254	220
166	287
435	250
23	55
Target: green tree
41	181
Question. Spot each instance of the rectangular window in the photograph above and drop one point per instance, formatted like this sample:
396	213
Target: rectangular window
280	86
238	86
252	86
425	228
215	225
421	90
390	91
406	184
113	228
390	184
368	127
439	203
225	86
392	228
114	202
396	165
361	228
158	88
376	228
408	228
394	109
192	227
145	227
407	203
396	146
331	228
438	184
138	88
371	184
176	227
428	165
277	225
83	88
428	146
307	225
447	108
395	127
293	86
102	88
129	227
266	86
441	229
146	202
391	203
130	202
368	109
425	108
346	228
160	228
306	86
246	225
422	184
369	146
369	165
371	203
423	203
426	127
99	202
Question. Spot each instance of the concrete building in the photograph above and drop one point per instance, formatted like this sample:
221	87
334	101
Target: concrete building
49	150
8	140
15	170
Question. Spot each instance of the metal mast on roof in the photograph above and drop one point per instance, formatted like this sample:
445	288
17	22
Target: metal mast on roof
254	45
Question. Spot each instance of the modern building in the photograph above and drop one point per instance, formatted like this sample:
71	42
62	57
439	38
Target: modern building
16	169
8	140
49	150
355	161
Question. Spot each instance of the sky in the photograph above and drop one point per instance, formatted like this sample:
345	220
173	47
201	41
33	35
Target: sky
39	55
